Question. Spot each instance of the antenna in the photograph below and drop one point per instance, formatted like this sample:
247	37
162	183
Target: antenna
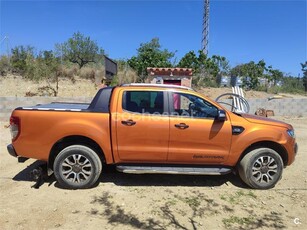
205	34
6	38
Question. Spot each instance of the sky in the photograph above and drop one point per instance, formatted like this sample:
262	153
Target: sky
240	30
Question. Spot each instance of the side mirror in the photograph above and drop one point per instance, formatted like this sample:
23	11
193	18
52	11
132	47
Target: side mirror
221	115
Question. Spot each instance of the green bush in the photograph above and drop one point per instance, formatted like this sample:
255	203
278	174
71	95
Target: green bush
5	65
41	68
19	57
292	85
262	88
114	81
275	89
204	81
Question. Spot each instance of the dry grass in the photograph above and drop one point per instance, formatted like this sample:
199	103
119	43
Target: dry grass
128	76
17	86
87	73
66	72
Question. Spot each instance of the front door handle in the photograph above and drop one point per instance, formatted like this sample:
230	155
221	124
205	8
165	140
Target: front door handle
129	122
181	126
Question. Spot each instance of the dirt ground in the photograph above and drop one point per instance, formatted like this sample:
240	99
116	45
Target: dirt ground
123	201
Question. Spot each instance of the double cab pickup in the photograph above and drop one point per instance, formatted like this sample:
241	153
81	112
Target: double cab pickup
143	128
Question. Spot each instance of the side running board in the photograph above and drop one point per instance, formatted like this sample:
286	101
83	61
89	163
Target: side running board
173	170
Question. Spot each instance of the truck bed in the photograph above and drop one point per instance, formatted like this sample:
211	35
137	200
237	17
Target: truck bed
100	103
61	106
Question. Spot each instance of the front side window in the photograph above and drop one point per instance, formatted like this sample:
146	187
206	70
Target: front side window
187	105
151	102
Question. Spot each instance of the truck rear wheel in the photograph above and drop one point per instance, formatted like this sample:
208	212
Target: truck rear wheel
77	167
261	168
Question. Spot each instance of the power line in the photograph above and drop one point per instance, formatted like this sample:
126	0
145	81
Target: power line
6	39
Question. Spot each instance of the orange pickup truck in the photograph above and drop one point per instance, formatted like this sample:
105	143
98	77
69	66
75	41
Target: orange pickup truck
142	128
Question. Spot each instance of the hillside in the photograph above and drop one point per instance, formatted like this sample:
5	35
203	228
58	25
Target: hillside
16	86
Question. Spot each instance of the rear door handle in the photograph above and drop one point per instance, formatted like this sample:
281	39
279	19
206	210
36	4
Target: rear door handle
129	122
181	126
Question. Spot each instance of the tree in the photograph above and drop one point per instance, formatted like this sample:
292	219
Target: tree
19	56
222	63
201	63
209	68
80	50
205	69
250	72
150	54
304	69
274	75
190	60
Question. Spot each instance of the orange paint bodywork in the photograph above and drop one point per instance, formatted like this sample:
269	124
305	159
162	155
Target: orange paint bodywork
40	130
154	138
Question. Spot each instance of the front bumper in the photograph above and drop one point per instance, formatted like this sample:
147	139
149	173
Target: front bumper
11	150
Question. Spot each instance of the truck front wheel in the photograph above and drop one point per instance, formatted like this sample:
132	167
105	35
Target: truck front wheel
261	168
77	167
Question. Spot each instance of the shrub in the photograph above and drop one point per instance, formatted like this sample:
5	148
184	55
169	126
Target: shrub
37	69
126	76
67	72
47	91
114	81
19	57
99	75
87	73
204	81
5	66
274	89
30	94
292	85
42	67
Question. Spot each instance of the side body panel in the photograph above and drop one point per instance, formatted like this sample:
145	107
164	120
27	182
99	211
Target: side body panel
205	141
145	141
40	130
256	133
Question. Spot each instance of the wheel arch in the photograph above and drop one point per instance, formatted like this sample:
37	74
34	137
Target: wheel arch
282	152
74	140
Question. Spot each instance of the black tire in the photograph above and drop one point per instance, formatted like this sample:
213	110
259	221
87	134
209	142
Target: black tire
77	167
261	168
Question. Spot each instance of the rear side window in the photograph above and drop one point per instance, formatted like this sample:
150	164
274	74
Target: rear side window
151	102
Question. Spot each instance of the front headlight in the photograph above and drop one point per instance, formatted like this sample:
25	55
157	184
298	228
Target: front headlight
291	133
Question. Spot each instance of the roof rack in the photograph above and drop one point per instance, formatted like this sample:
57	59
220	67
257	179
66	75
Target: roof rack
159	85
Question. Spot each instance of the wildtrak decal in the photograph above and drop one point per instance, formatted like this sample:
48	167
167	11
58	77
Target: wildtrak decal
207	157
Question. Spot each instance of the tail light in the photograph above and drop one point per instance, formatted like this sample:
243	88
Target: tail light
15	127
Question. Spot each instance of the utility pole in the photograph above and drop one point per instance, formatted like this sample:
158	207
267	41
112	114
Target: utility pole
6	39
205	33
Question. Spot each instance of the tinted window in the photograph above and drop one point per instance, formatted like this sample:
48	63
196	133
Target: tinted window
143	102
192	106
